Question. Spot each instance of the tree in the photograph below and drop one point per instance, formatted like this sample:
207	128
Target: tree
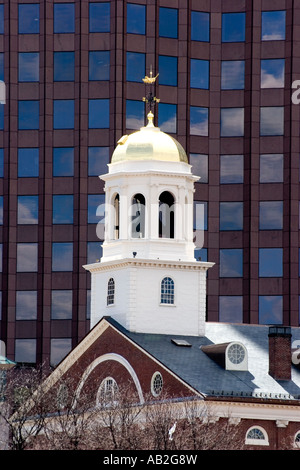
24	407
117	423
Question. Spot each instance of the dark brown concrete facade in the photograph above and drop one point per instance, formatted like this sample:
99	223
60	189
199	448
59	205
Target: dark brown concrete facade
250	286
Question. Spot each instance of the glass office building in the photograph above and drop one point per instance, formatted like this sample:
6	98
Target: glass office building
73	73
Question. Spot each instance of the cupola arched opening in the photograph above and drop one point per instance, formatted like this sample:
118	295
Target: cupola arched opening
138	210
166	215
116	204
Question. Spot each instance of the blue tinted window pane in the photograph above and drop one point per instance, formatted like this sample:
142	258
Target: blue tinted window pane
63	161
135	66
62	256
29	66
200	74
270	309
231	169
28	162
272	25
26	305
200	216
28	209
231	308
98	159
88	304
272	120
232	122
233	75
94	252
231	216
1	19
168	22
64	66
63	114
95	208
28	117
136	19
27	257
99	19
201	254
233	27
270	215
99	65
1	163
135	114
272	73
271	168
167	117
59	348
25	351
167	67
99	114
198	121
29	18
199	164
64	18
61	304
270	262
231	262
62	209
200	26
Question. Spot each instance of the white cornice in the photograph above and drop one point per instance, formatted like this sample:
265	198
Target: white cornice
145	263
279	412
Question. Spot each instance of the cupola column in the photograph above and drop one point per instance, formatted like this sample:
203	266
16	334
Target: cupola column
153	211
124	213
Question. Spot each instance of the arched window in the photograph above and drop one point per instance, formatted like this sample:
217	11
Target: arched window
167	291
297	440
257	436
107	392
166	215
138	216
117	217
111	292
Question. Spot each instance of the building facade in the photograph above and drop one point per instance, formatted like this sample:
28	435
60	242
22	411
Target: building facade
73	73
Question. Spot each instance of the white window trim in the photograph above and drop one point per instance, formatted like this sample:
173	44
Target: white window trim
257	442
154	393
174	295
297	444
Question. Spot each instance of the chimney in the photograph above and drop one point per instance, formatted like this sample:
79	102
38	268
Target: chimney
280	353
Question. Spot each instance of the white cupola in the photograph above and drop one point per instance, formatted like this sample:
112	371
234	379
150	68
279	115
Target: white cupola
149	198
148	279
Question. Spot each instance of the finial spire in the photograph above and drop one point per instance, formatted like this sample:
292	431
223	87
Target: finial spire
150	98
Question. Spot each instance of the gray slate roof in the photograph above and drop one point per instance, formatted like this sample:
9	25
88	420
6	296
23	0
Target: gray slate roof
195	368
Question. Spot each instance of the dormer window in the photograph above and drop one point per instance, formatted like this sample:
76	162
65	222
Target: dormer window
111	292
167	291
231	356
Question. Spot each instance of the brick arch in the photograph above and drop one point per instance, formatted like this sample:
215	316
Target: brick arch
110	357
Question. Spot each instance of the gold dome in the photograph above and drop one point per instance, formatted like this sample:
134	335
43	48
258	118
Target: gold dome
149	143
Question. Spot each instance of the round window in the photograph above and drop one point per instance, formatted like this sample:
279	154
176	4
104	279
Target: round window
236	353
156	384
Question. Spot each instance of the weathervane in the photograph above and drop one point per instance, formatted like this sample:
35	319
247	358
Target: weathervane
150	98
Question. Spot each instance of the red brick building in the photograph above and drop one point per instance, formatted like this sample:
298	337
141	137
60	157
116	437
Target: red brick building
265	408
